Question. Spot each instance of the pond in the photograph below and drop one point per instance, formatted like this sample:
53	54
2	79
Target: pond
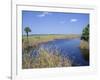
67	48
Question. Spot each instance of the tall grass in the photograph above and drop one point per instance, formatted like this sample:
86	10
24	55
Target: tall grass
84	47
35	40
45	60
84	44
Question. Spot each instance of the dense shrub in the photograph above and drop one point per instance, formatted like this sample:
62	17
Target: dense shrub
85	33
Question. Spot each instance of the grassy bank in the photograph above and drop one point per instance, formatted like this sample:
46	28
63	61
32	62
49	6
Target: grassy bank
45	59
34	40
84	46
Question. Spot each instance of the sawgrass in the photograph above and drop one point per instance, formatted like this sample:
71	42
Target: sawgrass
45	60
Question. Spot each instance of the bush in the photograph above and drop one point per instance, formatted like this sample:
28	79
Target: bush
85	33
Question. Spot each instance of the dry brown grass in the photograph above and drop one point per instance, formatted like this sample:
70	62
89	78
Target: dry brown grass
45	60
84	44
35	40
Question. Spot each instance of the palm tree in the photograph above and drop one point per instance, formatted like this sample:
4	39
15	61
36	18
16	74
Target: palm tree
27	30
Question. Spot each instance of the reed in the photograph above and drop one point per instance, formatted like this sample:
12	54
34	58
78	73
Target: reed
45	60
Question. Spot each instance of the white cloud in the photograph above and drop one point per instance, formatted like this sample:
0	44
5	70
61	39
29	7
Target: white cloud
73	20
43	14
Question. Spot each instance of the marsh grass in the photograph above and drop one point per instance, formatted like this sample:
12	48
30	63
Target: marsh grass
44	60
84	47
34	40
84	44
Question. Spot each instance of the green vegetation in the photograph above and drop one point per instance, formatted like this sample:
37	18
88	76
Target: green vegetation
27	30
85	33
84	45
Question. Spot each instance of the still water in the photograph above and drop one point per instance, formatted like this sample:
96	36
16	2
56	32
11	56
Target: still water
67	48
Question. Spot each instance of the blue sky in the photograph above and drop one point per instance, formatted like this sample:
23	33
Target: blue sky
54	22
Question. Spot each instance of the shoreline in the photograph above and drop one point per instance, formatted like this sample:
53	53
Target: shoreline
36	40
84	47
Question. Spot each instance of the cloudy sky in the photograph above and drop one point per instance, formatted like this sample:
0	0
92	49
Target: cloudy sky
54	22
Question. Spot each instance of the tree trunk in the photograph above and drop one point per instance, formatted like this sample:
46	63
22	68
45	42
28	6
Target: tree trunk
27	37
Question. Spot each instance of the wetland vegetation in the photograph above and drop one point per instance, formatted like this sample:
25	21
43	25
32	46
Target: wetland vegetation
54	45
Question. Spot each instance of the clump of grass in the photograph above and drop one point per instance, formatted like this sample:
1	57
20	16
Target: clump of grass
45	60
84	44
84	47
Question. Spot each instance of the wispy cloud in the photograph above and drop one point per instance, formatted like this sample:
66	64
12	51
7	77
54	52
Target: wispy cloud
73	20
43	14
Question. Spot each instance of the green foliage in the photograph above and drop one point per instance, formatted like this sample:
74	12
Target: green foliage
27	30
85	33
84	45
